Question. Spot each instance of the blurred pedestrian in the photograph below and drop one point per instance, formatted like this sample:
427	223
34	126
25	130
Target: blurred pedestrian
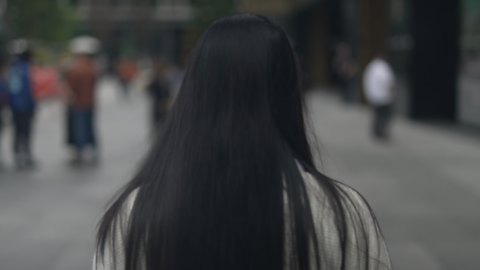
86	46
231	182
179	72
378	83
22	102
3	103
159	91
346	68
126	70
66	95
81	79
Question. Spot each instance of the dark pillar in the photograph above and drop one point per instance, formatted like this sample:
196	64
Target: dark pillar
318	42
435	31
372	30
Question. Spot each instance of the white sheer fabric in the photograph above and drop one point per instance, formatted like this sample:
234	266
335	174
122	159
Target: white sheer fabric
327	233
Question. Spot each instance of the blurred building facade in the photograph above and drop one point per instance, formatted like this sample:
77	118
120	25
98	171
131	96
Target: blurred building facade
135	28
469	67
3	29
433	45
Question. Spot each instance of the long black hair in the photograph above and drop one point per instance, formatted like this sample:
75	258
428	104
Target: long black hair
221	188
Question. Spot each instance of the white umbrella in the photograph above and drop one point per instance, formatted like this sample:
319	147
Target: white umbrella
85	45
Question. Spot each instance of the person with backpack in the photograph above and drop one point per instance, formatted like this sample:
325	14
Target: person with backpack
22	103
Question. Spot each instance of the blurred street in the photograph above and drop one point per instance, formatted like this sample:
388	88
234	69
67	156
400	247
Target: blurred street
48	216
424	185
420	59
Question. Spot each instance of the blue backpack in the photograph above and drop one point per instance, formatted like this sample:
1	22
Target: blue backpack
19	87
14	80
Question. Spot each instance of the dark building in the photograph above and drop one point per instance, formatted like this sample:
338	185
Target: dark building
433	45
468	81
136	28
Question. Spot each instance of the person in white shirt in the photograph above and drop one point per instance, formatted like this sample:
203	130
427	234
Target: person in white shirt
378	84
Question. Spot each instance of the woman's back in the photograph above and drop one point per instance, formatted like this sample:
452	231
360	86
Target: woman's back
327	233
222	189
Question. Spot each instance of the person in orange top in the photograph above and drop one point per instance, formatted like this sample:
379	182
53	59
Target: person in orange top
81	79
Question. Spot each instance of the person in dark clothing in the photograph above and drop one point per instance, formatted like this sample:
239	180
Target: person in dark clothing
3	103
159	90
126	70
382	116
22	104
345	67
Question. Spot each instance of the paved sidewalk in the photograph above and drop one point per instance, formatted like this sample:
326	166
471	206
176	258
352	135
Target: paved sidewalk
424	186
48	216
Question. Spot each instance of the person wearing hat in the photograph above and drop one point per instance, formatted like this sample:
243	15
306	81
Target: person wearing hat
81	79
22	102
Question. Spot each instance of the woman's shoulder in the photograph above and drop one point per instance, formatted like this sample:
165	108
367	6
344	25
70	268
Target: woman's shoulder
361	227
113	254
130	201
352	196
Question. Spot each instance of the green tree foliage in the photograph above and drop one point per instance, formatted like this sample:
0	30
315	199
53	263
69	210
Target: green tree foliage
46	20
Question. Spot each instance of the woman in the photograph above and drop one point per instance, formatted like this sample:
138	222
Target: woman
231	183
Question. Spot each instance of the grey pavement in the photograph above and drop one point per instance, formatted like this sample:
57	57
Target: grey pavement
48	216
424	186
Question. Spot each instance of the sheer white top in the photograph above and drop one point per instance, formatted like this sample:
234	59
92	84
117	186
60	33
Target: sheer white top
327	233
